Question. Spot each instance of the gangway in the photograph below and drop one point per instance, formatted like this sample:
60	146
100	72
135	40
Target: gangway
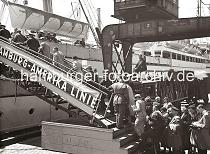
50	82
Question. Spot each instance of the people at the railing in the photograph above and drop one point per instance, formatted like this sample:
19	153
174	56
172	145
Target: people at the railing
96	77
89	70
77	66
53	38
121	102
44	49
200	135
4	32
80	43
58	58
32	42
15	32
140	113
19	37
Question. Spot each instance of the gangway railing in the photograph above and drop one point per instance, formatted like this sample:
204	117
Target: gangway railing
82	95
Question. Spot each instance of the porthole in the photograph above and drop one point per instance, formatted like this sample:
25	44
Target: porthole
31	111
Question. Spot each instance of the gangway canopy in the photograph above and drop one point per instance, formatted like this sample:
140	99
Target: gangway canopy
28	18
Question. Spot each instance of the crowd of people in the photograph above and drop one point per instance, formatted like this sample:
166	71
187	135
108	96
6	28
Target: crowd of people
161	123
32	43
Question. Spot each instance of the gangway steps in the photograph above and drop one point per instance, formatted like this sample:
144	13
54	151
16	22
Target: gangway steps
128	141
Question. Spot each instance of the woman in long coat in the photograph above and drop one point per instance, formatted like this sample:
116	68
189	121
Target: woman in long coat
175	135
140	111
200	135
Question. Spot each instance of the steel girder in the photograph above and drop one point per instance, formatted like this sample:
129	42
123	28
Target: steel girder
150	31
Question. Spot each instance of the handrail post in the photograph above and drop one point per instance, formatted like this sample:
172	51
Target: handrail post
110	101
95	111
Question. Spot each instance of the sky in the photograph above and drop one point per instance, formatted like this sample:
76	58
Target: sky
187	8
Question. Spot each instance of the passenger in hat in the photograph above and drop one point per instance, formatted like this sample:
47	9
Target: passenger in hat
121	102
32	42
157	102
58	58
165	102
44	49
200	137
173	111
140	111
4	32
186	122
155	129
77	66
148	102
175	139
19	37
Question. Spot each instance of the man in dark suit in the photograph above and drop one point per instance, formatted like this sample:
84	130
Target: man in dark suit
141	65
4	32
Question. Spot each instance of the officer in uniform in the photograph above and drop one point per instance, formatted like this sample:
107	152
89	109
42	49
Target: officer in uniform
121	102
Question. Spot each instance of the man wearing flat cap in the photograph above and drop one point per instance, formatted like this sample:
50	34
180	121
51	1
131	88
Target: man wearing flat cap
32	42
4	32
19	37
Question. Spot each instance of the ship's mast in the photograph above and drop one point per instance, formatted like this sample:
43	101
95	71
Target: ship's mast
99	18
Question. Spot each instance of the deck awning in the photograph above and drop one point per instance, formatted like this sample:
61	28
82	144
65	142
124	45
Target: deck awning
28	18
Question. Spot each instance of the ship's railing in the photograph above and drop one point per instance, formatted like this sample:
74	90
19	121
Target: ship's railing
70	50
65	68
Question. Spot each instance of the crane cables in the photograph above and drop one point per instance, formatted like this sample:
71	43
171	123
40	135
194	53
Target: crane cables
86	8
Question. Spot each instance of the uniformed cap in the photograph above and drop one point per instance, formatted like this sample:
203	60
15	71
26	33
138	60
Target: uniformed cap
137	96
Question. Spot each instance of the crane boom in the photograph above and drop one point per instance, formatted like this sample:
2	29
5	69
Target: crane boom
90	23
